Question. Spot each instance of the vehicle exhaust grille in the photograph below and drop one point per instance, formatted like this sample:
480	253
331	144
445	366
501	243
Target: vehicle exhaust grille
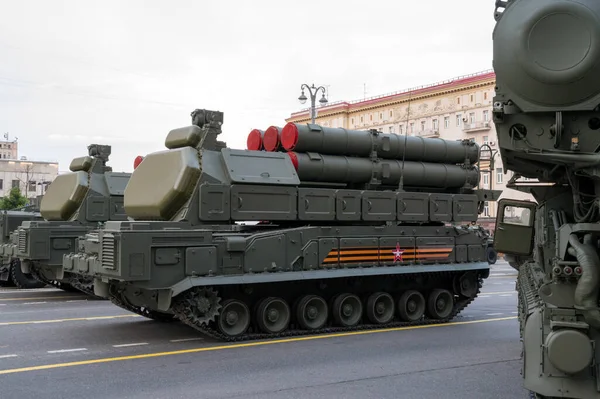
22	241
108	252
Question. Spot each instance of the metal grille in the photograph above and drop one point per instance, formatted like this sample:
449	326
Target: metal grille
108	252
22	241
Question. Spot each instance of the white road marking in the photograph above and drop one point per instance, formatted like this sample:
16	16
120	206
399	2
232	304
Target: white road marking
46	321
483	296
507	295
78	300
5	356
493	314
123	345
68	350
187	339
33	303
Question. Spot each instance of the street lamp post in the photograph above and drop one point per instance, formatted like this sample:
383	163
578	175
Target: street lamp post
312	90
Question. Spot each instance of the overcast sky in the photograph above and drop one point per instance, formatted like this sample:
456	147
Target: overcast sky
124	73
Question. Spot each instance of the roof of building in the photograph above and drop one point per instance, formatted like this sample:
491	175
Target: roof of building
433	88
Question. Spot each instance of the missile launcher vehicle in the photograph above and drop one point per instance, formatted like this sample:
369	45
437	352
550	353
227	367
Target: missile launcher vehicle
74	204
341	233
547	115
10	267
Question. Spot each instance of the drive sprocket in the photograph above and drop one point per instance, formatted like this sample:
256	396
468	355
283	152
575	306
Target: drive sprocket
200	305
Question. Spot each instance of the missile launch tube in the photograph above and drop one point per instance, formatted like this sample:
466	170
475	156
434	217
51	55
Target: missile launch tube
340	169
254	141
359	143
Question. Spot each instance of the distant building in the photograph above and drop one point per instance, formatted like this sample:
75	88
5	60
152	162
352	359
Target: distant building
31	177
459	108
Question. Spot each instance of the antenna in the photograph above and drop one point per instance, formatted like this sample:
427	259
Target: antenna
401	184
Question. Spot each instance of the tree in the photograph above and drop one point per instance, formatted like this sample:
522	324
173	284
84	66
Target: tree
14	200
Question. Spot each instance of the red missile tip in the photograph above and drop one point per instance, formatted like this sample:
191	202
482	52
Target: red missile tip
271	138
294	159
289	136
137	161
254	141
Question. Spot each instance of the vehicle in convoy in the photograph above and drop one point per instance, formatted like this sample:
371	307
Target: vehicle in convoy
546	111
10	267
490	253
73	204
350	232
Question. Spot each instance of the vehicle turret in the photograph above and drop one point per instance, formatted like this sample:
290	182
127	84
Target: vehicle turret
75	202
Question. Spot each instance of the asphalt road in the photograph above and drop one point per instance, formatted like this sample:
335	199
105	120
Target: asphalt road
55	344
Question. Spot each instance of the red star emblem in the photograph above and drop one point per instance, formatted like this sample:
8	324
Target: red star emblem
398	253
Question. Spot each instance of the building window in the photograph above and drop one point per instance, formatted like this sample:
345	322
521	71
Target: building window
486	115
472	117
499	175
390	113
486	180
31	186
422	125
486	209
352	121
391	129
458	100
472	98
485	95
381	116
435	124
361	119
446	122
371	117
485	139
412	127
15	184
1	184
400	129
458	119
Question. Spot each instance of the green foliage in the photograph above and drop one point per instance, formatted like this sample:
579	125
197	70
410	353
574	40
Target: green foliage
14	200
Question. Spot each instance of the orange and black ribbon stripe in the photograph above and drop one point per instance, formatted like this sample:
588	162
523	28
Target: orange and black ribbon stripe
385	254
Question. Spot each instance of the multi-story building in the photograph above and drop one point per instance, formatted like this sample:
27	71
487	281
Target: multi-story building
459	108
31	177
9	149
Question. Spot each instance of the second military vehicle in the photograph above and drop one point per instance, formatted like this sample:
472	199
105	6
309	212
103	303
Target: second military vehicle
74	204
547	115
10	267
351	232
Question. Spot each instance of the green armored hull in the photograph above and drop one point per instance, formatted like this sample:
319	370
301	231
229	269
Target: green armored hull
546	112
74	204
10	266
320	256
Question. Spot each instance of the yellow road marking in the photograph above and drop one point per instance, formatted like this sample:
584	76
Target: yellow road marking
244	345
14	323
41	297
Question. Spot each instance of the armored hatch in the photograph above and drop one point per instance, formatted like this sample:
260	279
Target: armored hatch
66	193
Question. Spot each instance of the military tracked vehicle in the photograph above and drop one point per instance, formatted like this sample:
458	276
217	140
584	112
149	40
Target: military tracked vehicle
74	204
547	114
10	267
349	232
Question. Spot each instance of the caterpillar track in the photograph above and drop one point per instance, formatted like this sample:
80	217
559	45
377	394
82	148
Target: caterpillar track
118	299
74	284
208	325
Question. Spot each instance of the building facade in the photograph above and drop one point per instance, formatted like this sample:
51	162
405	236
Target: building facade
456	109
31	177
